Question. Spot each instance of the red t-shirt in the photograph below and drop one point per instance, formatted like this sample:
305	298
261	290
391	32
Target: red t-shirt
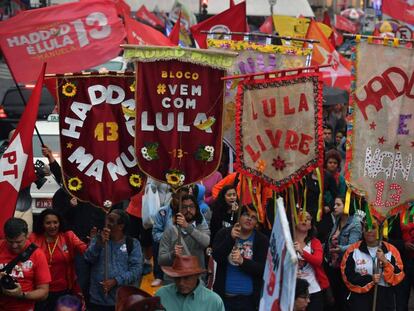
58	270
29	274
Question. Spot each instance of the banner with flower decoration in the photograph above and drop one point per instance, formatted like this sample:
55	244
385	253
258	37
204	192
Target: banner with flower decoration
179	112
253	57
379	164
279	128
97	129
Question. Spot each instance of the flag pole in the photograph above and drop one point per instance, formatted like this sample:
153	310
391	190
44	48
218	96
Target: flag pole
22	97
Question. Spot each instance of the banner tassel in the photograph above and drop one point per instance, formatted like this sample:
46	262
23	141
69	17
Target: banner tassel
347	201
320	198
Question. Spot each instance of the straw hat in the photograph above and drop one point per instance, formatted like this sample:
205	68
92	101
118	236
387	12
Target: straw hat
183	266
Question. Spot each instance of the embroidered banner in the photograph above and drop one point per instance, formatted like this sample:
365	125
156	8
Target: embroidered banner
179	112
97	129
379	165
253	57
278	128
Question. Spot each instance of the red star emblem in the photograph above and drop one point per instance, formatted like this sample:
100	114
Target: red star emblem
372	125
397	146
279	164
381	140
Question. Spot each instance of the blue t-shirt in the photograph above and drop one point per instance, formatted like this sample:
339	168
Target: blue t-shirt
237	281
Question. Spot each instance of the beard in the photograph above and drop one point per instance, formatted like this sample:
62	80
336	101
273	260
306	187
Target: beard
189	217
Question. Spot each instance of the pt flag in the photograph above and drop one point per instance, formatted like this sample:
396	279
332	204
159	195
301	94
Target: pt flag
69	37
379	166
230	20
97	119
16	164
402	10
324	53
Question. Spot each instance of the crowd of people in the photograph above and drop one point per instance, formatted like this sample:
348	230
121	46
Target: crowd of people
206	249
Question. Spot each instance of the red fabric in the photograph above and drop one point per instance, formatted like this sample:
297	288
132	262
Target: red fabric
232	4
141	34
16	169
342	23
63	266
135	205
30	274
149	17
399	9
176	138
69	37
267	26
339	74
175	32
102	139
230	20
315	260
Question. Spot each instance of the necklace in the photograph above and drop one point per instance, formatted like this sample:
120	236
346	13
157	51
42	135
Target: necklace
51	251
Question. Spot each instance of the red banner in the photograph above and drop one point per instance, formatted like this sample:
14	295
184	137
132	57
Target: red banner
97	119
179	120
69	37
149	17
279	128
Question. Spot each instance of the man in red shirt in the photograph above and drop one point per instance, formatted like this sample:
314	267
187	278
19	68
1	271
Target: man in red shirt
32	275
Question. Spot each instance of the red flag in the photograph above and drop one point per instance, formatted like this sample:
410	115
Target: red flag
16	164
71	37
339	74
230	20
232	4
141	34
149	17
175	32
345	24
402	10
267	26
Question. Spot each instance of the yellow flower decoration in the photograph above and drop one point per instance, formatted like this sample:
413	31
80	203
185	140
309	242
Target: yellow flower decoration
173	179
261	165
69	89
135	180
132	87
74	184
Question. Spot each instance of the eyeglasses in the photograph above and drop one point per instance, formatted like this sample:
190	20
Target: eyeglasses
247	215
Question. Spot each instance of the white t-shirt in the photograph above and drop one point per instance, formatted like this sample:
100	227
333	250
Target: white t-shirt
306	271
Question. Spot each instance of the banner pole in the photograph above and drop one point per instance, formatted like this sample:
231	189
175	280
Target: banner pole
377	267
283	71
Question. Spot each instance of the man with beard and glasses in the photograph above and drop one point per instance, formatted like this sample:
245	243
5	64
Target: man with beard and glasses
189	235
116	259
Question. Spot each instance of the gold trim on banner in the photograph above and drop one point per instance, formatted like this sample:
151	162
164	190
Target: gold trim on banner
266	48
216	59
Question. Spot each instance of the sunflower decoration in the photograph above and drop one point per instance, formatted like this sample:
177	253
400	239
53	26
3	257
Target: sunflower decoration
205	153
135	180
75	184
175	178
132	87
69	89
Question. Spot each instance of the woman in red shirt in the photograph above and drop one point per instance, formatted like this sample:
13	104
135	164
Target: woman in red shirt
60	247
310	255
